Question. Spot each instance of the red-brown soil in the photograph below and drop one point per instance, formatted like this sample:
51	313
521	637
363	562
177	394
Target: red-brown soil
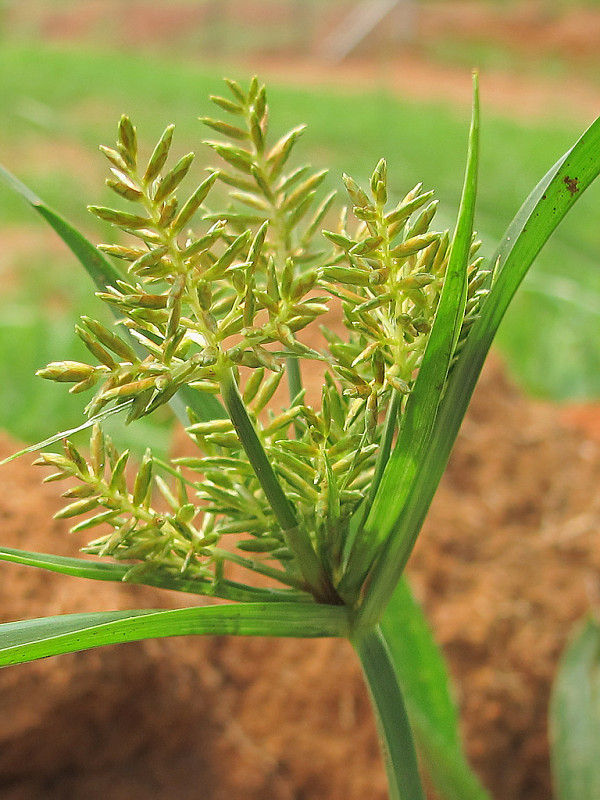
507	563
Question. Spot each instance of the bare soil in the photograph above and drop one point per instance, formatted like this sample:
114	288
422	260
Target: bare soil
507	563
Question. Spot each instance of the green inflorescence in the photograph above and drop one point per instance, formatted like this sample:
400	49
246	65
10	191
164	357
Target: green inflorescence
216	300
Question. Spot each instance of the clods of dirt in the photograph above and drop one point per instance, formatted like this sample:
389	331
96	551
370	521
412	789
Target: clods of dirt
508	561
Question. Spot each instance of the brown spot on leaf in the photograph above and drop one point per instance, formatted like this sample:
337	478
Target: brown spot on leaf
572	184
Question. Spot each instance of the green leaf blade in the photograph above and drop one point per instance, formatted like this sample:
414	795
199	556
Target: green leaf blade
391	715
539	216
575	717
100	269
106	571
532	226
405	492
65	565
29	640
425	682
535	222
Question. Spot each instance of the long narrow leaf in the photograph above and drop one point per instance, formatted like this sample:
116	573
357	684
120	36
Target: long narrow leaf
531	228
66	565
387	522
533	225
391	715
98	267
38	638
431	709
575	717
107	571
103	273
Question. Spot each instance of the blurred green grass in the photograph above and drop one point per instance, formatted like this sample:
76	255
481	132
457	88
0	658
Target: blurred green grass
59	104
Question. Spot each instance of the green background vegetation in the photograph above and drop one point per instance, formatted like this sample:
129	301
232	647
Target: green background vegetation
58	104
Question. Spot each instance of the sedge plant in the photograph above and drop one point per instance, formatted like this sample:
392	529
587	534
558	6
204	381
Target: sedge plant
318	505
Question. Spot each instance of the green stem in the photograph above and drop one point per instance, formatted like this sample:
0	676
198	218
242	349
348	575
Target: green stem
295	535
294	378
292	368
263	569
390	711
282	508
349	587
387	439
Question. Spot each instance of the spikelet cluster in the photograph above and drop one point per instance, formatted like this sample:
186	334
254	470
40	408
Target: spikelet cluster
207	293
137	530
388	272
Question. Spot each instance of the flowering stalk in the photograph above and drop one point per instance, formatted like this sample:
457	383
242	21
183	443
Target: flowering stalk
392	718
